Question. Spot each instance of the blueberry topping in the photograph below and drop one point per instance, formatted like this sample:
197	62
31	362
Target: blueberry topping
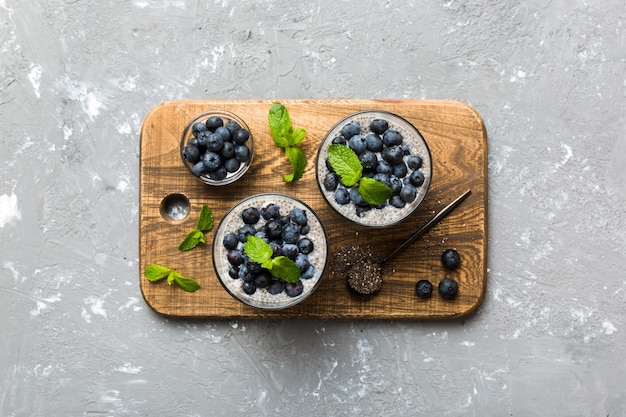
309	273
228	151
214	122
250	215
294	289
368	160
392	137
451	258
331	180
249	287
235	257
302	261
374	142
232	126
230	241
339	140
290	233
379	126
416	178
271	211
198	127
215	143
423	288
393	154
223	133
298	216
245	231
448	288
408	193
305	245
199	169
290	250
414	162
342	196
242	153
351	129
191	153
240	136
396	201
357	144
276	287
232	165
400	170
262	279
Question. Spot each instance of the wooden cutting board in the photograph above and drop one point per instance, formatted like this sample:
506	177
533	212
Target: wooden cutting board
457	140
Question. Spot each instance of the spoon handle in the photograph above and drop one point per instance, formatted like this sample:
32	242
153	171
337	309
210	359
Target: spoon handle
427	226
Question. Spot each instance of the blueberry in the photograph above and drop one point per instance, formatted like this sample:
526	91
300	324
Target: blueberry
273	229
202	138
253	267
368	160
396	184
392	137
284	220
262	279
423	288
304	230
305	246
379	126
328	165
214	143
356	197
342	196
339	140
250	215
232	165
298	216
406	149
235	257
223	133
290	233
357	144
448	288
374	142
408	193
330	181
242	153
290	250
384	178
199	169
233	272
302	261
232	126
197	128
244	232
271	211
392	154
414	162
212	161
294	289
244	272
451	258
214	122
396	201
384	167
416	178
191	154
351	129
240	136
277	249
262	235
249	287
228	151
309	273
230	241
219	174
276	287
400	170
360	210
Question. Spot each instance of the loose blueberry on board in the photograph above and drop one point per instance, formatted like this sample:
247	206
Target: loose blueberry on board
448	288
423	288
451	258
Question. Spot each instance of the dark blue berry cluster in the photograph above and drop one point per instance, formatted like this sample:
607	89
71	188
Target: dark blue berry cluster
217	148
286	234
384	157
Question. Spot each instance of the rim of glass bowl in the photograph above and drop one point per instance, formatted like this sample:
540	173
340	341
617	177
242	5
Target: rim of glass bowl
225	115
219	252
393	119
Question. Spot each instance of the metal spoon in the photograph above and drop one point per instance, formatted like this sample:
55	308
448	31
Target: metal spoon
444	212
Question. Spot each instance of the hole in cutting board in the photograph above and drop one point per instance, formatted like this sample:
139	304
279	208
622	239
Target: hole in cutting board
174	207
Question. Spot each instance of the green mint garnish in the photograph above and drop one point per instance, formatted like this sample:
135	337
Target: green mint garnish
261	252
156	272
346	164
196	235
287	138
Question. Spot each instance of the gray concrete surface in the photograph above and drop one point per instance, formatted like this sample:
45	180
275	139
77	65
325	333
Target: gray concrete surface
78	77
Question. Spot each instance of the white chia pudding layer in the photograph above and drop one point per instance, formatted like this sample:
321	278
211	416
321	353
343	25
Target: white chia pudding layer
387	215
232	221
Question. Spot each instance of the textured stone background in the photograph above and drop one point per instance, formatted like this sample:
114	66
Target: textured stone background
77	78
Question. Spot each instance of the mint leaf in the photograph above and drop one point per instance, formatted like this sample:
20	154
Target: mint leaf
374	192
297	136
345	163
285	137
257	249
298	163
156	272
285	269
280	125
205	221
193	239
187	284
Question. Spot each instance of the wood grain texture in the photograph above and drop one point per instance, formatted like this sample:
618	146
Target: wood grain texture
457	140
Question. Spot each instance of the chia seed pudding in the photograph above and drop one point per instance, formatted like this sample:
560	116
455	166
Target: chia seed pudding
236	222
396	208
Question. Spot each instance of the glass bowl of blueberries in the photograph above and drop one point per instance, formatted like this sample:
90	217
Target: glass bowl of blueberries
270	251
217	147
374	168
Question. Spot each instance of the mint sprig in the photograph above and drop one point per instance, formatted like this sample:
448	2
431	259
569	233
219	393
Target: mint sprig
346	164
196	235
156	272
286	137
261	252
